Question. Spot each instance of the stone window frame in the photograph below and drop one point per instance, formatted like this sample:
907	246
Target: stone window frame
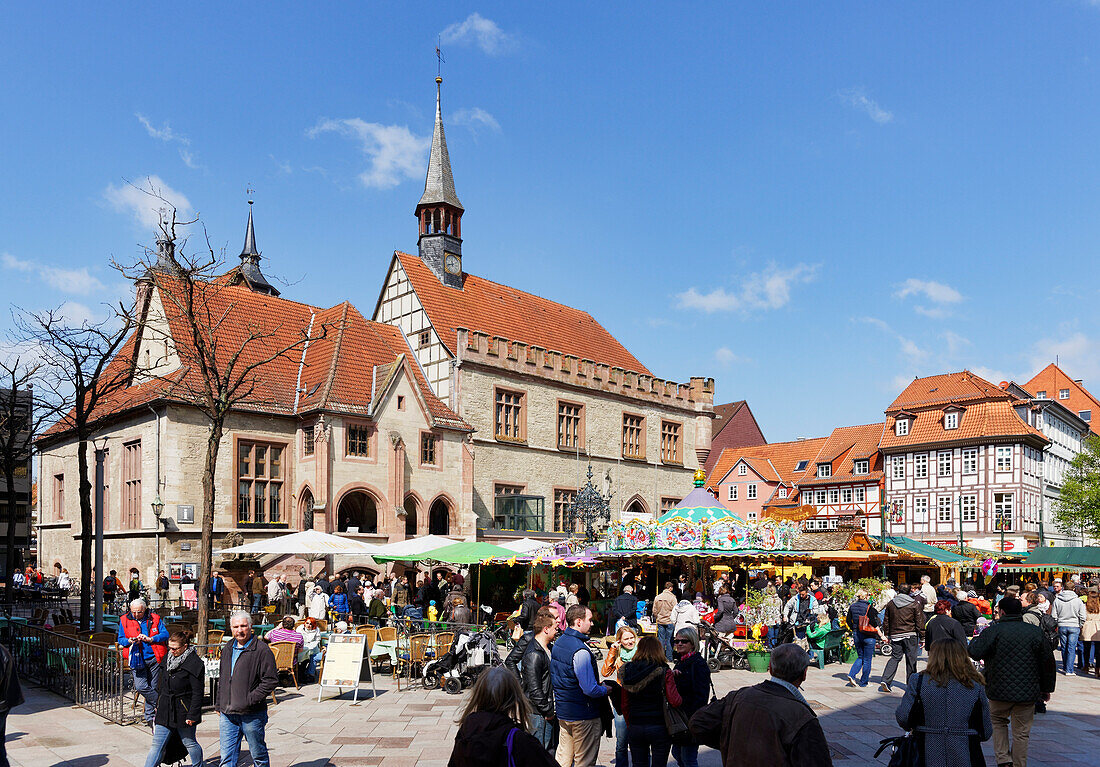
437	450
59	496
520	422
372	441
131	500
307	444
580	417
558	519
668	502
640	428
673	430
284	481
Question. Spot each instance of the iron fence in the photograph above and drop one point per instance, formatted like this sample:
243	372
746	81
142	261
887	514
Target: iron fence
93	676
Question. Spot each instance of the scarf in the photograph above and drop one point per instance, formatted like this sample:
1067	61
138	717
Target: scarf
175	661
625	655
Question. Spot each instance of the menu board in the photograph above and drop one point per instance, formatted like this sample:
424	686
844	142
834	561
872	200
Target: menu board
343	662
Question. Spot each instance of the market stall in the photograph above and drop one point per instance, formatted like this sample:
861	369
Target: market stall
1055	561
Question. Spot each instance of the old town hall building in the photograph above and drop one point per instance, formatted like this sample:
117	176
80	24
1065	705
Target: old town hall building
461	407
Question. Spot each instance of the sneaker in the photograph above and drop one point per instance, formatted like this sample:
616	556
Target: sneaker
884	687
852	682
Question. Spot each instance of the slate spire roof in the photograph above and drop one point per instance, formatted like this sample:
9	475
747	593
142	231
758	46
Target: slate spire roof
439	184
250	261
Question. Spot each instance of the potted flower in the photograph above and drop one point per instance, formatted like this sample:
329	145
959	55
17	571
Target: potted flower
847	649
758	653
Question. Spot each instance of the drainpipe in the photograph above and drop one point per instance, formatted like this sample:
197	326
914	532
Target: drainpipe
156	494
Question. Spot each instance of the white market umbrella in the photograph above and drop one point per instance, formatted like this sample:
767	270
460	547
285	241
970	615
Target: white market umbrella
524	545
412	548
306	543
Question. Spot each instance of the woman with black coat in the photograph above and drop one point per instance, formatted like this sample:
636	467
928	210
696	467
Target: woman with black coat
725	619
179	703
643	683
693	684
493	727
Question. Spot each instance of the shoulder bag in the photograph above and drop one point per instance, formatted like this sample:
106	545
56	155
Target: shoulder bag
676	721
907	747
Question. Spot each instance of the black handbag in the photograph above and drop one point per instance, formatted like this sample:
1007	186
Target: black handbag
907	747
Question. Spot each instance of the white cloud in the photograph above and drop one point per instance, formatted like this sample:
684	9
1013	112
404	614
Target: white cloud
167	135
1076	353
936	292
188	158
769	288
906	346
145	208
77	281
476	119
480	31
858	99
395	153
955	342
76	314
725	356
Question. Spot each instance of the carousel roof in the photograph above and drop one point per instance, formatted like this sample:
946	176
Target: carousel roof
699	506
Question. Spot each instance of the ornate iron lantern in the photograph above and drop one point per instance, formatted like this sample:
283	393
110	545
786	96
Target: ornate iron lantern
590	512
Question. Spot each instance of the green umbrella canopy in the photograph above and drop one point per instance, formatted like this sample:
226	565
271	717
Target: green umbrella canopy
463	553
699	506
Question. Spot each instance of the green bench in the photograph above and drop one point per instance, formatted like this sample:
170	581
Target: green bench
829	643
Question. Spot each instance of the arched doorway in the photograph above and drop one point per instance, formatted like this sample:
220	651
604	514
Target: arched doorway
439	518
636	507
410	517
357	510
305	506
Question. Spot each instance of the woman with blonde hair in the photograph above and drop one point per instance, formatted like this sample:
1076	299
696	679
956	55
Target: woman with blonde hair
493	726
1090	632
953	718
621	652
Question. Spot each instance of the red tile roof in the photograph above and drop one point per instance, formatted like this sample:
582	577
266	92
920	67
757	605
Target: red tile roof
775	462
996	419
841	449
339	368
499	310
1052	379
960	388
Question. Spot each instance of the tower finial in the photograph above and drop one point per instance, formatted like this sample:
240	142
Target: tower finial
250	257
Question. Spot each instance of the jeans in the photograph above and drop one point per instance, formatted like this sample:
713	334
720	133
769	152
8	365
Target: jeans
664	634
899	647
146	682
620	739
1069	646
256	599
230	729
800	633
160	739
686	756
649	745
865	653
546	732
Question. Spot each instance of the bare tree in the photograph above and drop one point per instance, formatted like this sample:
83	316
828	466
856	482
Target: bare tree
22	415
81	370
222	351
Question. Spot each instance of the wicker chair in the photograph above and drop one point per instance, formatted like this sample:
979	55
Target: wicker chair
286	657
215	636
371	633
67	629
387	634
442	643
104	638
413	658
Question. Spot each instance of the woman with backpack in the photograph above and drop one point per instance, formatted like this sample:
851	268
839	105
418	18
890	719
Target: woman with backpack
863	620
946	707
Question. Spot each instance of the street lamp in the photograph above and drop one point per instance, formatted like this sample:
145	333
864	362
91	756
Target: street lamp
588	510
158	510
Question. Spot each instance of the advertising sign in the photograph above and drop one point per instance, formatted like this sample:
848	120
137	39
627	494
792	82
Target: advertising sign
343	663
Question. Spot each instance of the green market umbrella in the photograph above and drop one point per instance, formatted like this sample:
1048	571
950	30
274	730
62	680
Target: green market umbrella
463	553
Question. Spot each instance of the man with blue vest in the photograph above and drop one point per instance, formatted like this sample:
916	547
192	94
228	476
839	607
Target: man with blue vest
143	638
577	691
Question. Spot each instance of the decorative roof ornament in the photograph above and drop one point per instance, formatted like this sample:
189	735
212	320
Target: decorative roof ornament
590	513
439	183
250	259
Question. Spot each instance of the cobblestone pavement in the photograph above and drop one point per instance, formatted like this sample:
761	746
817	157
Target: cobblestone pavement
417	727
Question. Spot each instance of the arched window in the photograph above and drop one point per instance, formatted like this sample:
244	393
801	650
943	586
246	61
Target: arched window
410	517
357	510
306	507
439	518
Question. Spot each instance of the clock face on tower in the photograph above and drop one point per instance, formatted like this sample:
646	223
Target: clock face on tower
452	263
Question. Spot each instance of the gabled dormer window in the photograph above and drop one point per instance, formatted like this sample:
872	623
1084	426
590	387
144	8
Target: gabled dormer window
951	419
742	470
782	492
901	427
862	466
824	470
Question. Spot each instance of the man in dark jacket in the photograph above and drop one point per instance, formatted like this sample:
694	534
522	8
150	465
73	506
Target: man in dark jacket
1019	669
965	613
625	607
535	680
11	695
527	610
357	605
248	676
577	691
519	648
769	723
903	625
943	626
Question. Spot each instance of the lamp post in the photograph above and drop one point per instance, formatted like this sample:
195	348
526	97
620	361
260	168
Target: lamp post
100	446
882	531
158	510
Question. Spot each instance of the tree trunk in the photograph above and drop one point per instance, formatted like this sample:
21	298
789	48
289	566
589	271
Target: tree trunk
13	514
206	555
84	489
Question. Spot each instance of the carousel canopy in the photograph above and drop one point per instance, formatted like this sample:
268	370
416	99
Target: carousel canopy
698	506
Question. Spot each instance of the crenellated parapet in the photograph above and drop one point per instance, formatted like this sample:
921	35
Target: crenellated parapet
529	360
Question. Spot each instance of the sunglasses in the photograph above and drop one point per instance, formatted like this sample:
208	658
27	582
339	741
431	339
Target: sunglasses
681	641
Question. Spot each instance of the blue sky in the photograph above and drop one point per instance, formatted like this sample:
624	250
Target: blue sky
810	202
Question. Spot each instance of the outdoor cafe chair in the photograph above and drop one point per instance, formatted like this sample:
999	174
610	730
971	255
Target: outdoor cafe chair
371	633
67	628
387	634
442	643
413	657
286	655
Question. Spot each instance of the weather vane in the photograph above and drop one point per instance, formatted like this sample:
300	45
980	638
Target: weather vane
250	191
440	61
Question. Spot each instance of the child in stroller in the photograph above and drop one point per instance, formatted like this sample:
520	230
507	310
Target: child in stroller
717	651
468	656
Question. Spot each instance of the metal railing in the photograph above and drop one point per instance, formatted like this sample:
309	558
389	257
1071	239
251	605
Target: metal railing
93	676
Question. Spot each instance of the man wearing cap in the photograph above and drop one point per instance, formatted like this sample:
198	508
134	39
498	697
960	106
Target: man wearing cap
1019	669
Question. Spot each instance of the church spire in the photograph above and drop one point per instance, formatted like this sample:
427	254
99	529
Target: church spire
250	260
439	212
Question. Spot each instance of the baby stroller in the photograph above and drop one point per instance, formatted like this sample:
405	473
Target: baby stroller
468	656
717	651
